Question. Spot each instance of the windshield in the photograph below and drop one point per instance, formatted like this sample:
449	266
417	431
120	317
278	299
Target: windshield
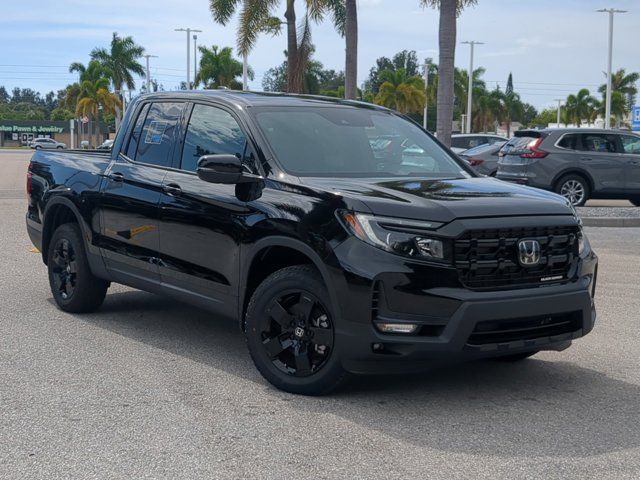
349	141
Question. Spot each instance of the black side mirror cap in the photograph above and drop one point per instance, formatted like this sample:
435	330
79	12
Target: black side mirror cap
223	168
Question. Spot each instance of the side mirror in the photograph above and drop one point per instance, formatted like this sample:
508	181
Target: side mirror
223	168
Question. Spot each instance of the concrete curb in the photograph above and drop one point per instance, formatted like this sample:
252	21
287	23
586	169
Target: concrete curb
611	222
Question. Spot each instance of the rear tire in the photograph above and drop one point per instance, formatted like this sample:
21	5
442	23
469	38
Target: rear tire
574	188
517	357
290	332
635	201
75	289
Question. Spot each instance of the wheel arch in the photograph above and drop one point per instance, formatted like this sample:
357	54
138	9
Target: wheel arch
271	254
573	171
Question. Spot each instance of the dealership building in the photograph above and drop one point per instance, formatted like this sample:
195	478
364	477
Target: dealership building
14	133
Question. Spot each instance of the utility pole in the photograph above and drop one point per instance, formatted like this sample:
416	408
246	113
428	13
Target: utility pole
607	113
426	98
559	100
195	59
189	32
147	57
470	92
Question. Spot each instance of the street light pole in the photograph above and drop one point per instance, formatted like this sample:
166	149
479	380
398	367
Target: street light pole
147	57
189	32
607	113
559	100
426	98
195	59
470	92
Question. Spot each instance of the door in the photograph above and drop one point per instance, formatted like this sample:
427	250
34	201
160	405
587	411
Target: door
200	222
131	194
600	157
631	154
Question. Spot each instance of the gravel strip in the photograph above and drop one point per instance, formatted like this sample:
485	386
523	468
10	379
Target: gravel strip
609	212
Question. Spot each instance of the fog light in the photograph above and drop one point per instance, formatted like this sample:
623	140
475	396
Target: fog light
397	327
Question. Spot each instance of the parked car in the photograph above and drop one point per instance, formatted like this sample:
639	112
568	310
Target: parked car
38	143
483	158
464	141
576	163
106	145
341	237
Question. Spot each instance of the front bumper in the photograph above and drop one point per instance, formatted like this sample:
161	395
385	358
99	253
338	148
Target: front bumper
451	318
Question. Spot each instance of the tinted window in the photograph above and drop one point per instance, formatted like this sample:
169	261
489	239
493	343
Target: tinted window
630	144
136	132
157	138
211	131
598	142
356	142
460	142
569	141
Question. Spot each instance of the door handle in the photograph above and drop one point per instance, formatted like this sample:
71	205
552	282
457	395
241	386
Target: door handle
116	177
172	189
586	159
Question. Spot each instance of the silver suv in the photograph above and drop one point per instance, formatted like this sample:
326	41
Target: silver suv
577	163
39	143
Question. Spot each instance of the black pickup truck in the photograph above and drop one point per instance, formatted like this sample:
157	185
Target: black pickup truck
340	236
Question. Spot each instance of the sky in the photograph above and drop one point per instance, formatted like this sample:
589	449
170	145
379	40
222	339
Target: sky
552	47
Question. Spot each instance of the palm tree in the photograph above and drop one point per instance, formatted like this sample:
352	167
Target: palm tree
400	92
94	96
218	68
461	86
582	106
121	63
351	56
257	16
625	83
449	10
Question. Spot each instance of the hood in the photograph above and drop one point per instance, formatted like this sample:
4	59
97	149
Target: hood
444	200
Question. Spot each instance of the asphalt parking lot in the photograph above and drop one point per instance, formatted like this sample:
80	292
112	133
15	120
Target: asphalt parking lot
150	388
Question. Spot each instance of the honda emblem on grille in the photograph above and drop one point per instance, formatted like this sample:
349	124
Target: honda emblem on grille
528	252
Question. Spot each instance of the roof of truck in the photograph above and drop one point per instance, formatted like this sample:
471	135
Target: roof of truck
250	98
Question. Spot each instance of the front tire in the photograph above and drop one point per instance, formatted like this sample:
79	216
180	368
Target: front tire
291	335
574	188
75	289
635	201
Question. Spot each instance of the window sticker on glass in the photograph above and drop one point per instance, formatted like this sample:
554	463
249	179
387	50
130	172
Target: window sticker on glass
155	132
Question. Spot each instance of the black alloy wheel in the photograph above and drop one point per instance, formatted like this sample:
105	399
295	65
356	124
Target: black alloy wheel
297	333
64	268
73	285
291	332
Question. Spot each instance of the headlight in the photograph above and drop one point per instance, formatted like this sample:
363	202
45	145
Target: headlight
411	238
583	243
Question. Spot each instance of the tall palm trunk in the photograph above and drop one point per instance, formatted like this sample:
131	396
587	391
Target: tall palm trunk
351	40
447	45
294	84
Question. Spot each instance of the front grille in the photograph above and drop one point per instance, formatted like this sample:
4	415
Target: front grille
529	328
488	259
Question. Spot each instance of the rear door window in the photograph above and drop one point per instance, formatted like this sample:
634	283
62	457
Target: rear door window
598	142
134	138
157	139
